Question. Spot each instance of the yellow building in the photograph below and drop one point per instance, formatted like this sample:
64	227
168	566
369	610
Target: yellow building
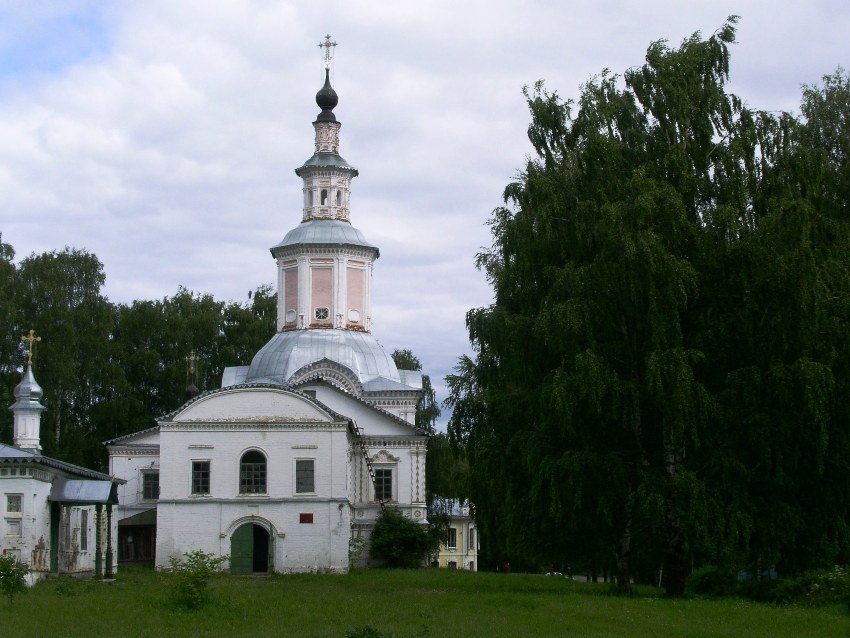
460	548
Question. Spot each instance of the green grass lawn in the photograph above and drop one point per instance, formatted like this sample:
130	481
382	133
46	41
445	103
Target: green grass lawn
396	603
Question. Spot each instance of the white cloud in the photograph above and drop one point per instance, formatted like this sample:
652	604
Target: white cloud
163	135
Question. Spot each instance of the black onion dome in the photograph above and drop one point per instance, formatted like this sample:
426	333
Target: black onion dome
327	99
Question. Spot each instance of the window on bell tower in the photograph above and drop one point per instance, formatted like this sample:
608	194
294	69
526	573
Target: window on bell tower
324	198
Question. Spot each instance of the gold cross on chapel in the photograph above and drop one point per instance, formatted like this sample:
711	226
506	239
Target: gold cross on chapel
31	339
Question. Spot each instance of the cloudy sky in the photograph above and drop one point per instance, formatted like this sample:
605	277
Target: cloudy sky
162	135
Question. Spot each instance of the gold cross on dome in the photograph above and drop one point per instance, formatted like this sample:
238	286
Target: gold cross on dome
328	53
30	339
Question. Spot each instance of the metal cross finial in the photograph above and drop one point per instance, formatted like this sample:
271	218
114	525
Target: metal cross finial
328	53
30	339
191	361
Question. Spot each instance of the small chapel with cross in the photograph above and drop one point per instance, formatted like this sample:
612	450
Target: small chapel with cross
54	516
288	464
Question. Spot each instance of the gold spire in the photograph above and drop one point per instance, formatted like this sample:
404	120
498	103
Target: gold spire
31	339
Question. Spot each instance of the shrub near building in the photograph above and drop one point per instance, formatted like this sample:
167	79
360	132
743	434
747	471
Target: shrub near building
400	542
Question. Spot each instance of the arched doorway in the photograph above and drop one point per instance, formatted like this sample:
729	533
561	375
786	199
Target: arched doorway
250	550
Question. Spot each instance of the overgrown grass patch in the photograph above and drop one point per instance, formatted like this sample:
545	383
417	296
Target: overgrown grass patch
396	603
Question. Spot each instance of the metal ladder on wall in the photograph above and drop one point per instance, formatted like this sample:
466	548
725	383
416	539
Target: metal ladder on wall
361	441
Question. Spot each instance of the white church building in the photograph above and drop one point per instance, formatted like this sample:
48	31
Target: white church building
286	467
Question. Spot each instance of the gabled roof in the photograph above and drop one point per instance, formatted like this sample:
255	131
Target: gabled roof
10	455
340	417
170	415
252	386
131	435
373	407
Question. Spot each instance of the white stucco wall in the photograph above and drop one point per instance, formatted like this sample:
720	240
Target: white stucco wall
129	460
285	428
26	534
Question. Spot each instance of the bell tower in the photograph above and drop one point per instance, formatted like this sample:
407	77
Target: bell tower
327	177
325	264
324	286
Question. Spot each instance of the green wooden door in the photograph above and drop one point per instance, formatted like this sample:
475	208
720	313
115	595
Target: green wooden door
242	550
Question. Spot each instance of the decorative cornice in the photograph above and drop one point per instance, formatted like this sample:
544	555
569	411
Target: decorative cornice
127	450
251	426
242	500
387	442
332	373
347	250
384	457
400	403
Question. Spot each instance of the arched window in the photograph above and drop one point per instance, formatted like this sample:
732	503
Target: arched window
324	197
252	473
339	198
309	199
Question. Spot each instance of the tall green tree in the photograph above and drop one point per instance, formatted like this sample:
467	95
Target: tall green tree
775	319
428	408
108	369
651	379
59	295
9	339
157	337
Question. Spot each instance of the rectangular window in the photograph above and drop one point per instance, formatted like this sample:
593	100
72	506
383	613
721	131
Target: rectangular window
84	530
383	484
305	476
200	477
65	527
305	518
13	503
451	540
13	527
150	486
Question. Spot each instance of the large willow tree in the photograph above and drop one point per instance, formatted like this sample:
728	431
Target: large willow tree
657	383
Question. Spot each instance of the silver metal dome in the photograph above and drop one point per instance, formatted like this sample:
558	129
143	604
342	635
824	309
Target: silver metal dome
28	393
289	352
324	231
